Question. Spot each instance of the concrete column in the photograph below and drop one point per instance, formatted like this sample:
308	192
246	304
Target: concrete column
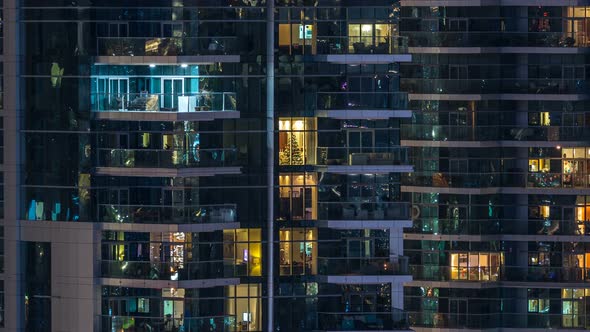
13	296
396	243
75	305
396	249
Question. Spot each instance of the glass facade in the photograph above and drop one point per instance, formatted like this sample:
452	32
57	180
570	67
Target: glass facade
498	138
227	165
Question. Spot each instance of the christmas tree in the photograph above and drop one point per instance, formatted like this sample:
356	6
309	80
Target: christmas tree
291	154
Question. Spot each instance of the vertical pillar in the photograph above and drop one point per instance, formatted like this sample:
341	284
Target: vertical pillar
396	250
14	299
270	153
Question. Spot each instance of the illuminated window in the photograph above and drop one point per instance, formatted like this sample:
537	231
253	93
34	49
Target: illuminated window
476	266
538	305
539	259
297	141
572	307
243	247
582	215
244	302
539	165
143	305
544	211
298	251
297	38
576	26
370	38
173	301
298	196
574	166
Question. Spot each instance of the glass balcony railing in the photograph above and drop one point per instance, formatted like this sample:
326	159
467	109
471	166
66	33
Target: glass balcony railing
499	226
359	45
153	46
464	180
168	323
539	321
497	179
172	158
362	156
362	101
494	86
496	39
362	266
161	214
363	321
168	270
363	211
159	102
493	133
503	273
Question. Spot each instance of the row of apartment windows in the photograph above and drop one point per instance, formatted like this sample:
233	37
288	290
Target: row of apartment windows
546	308
178	256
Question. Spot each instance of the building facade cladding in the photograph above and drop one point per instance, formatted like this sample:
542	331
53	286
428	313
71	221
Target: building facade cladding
140	154
499	140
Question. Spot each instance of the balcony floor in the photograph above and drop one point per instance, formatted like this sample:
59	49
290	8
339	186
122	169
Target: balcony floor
353	114
165	59
167	172
364	279
364	224
166	116
174	228
366	169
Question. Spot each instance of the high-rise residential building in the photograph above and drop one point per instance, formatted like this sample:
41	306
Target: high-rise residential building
500	143
204	165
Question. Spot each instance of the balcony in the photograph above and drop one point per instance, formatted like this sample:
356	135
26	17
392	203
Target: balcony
179	107
209	217
509	179
154	46
533	321
532	86
166	163
503	273
172	271
365	215
438	133
360	45
464	180
368	160
363	270
396	320
359	50
192	324
362	105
